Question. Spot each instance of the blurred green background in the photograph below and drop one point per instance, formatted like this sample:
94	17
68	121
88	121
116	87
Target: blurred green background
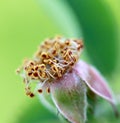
25	23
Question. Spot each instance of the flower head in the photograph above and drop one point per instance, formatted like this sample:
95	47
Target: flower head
53	59
57	68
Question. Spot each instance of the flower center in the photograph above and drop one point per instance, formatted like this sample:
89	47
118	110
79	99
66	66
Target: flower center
53	59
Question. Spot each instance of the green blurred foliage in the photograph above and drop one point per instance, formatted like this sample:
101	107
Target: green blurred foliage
99	27
24	23
36	113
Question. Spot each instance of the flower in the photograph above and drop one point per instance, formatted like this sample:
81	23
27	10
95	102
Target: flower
57	69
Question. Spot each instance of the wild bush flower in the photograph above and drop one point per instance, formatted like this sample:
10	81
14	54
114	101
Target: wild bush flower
56	69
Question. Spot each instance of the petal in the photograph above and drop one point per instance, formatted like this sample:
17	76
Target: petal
69	95
94	80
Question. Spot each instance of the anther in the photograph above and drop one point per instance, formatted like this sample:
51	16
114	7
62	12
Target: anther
44	55
48	90
56	45
31	63
54	68
67	42
42	67
18	70
29	74
54	52
36	67
43	75
31	95
35	74
80	46
70	52
40	90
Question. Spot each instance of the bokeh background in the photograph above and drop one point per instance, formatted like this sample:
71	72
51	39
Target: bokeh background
25	23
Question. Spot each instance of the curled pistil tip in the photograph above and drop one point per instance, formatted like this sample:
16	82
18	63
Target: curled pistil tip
56	69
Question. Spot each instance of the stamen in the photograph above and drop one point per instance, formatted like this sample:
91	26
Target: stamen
32	95
44	55
52	60
48	90
40	91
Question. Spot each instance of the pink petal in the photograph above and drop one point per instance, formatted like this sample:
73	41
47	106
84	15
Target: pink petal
94	80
